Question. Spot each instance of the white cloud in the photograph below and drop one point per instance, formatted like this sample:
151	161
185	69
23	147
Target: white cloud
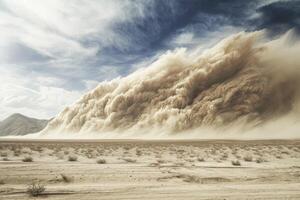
184	38
55	28
199	42
61	29
29	96
63	34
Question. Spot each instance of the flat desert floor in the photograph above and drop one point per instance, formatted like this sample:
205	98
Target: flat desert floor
135	169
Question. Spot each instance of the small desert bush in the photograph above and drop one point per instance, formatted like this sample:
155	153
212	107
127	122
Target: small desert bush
5	159
138	152
101	161
224	156
60	156
65	178
66	152
88	155
248	158
35	189
161	161
201	159
27	159
72	158
2	182
154	164
16	153
236	163
3	154
127	148
129	160
26	150
189	160
259	160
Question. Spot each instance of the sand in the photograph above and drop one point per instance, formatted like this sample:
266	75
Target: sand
136	169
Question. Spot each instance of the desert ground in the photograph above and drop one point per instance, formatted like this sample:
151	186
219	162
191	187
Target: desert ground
137	169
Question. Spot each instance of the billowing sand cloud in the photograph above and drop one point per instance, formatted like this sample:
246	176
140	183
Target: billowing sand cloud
244	80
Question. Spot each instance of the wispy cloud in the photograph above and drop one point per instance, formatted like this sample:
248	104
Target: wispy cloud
49	49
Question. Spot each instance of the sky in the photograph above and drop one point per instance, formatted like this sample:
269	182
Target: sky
54	51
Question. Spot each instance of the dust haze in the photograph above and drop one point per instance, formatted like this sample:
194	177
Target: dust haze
246	86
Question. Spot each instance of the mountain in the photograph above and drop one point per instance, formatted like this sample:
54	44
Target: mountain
18	124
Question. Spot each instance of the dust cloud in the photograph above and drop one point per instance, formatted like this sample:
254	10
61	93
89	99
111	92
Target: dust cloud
245	86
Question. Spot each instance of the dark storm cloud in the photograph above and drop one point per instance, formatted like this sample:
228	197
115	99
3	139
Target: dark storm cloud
164	18
279	16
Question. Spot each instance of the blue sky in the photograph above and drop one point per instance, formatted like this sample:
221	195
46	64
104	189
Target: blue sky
53	51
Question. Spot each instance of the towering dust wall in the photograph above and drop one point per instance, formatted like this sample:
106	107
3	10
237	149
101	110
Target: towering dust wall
244	80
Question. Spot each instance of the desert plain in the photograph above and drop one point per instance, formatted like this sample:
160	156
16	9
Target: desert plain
150	169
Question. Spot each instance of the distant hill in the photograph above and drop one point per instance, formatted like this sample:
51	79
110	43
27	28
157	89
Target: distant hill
18	124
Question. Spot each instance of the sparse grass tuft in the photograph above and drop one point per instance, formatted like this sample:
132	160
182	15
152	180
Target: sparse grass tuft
129	160
72	158
154	164
101	161
138	152
160	161
201	159
259	160
27	159
248	158
16	154
35	189
65	178
236	163
3	154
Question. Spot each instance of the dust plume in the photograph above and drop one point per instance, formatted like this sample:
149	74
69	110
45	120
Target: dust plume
244	84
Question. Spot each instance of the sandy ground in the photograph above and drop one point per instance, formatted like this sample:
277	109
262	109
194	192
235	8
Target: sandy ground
117	169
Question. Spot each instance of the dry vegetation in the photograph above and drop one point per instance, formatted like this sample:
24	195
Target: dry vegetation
72	158
101	161
35	189
180	166
27	159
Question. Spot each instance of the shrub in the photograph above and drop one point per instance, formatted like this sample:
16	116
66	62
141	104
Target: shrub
236	163
35	189
27	159
65	178
259	160
16	153
138	152
5	159
3	154
201	159
72	158
130	160
248	158
101	161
